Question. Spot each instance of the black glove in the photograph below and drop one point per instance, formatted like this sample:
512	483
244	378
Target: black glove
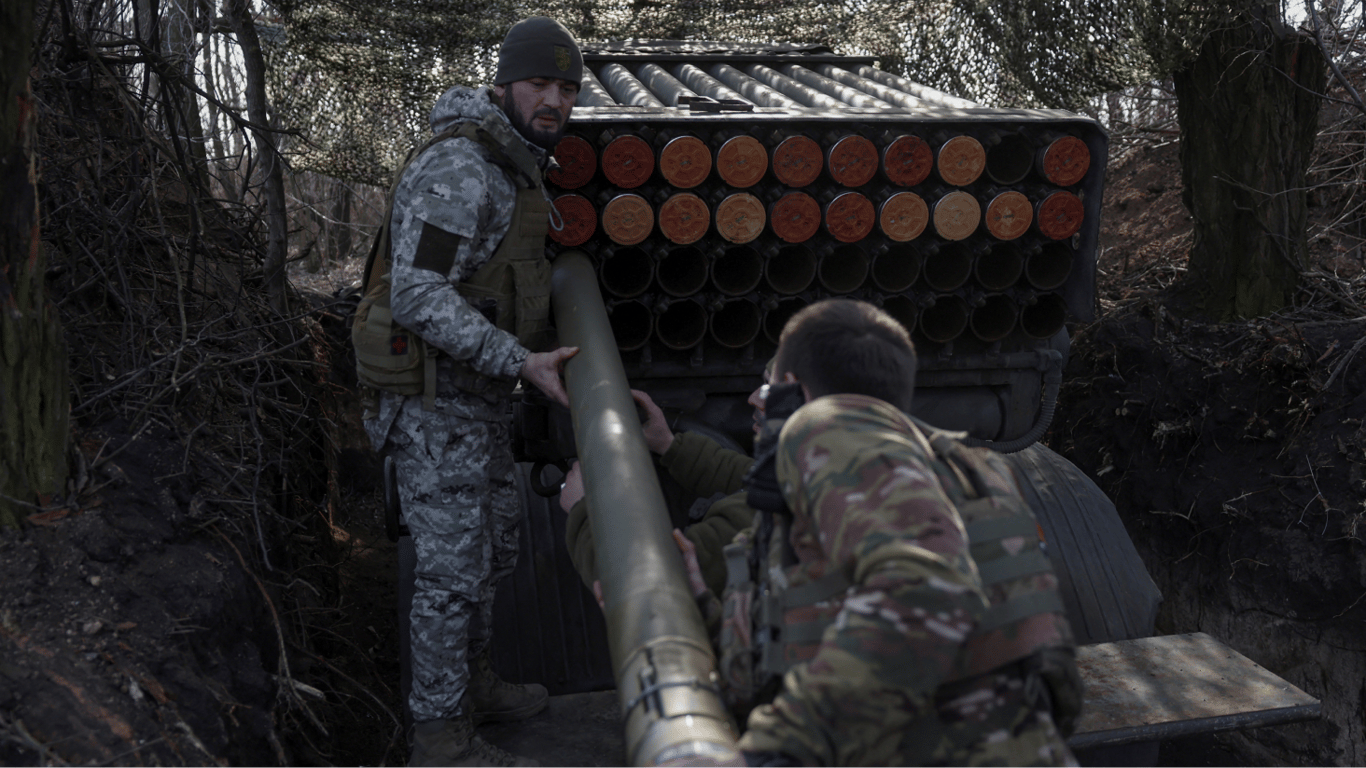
761	482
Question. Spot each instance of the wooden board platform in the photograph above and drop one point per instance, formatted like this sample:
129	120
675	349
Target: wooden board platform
1144	690
1159	688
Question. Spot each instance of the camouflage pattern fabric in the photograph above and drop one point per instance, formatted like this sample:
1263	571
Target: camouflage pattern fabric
455	186
460	503
455	467
1022	574
866	502
704	468
724	518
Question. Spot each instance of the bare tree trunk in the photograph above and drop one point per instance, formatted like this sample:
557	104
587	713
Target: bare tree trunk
239	143
221	173
33	375
272	168
1115	105
181	18
339	243
145	14
1248	106
309	202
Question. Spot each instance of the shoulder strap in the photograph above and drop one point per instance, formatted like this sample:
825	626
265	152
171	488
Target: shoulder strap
509	152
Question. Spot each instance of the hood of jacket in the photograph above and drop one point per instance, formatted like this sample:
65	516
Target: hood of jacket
462	104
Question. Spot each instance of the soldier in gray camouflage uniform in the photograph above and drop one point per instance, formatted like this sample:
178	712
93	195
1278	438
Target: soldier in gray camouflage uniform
452	208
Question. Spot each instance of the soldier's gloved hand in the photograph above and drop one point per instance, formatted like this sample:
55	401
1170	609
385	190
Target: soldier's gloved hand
761	481
542	369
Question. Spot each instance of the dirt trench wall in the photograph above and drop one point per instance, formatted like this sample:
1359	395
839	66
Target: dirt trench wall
1326	665
1235	455
130	632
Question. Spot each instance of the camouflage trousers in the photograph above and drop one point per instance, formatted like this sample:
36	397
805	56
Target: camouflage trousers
459	497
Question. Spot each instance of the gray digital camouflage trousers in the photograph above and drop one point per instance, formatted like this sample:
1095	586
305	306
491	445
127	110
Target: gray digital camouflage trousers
456	485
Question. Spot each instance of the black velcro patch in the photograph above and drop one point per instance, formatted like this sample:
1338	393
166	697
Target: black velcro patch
398	344
486	307
436	249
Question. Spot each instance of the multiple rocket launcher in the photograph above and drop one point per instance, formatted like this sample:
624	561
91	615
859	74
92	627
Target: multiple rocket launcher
700	206
725	230
963	221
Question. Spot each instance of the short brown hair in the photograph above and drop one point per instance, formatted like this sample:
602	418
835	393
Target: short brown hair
840	346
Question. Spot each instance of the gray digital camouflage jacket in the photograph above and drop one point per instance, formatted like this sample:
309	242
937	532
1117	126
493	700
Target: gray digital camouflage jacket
455	186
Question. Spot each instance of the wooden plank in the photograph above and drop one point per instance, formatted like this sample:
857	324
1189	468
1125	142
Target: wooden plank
1144	690
1158	688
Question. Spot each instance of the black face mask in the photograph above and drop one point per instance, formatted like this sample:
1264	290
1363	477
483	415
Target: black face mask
541	138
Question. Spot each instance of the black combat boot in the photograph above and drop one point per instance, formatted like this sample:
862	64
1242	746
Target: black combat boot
453	742
493	699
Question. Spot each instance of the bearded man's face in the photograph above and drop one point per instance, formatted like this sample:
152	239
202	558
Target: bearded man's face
539	108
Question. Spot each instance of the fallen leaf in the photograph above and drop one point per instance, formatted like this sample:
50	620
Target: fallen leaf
50	517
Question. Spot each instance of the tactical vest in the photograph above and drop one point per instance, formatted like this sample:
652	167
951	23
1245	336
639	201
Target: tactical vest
788	622
514	285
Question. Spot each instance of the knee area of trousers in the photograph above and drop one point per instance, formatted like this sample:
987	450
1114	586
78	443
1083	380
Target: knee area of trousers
445	590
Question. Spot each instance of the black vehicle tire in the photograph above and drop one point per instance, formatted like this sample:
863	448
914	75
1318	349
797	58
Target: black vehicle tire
1106	589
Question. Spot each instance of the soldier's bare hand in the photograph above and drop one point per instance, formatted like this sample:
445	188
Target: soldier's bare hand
572	488
658	436
695	580
543	369
597	592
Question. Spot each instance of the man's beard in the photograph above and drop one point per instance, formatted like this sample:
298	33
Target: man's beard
538	136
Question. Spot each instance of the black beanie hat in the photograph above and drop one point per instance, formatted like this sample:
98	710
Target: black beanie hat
538	46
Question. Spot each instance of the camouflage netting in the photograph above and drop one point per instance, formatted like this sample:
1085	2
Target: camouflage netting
358	78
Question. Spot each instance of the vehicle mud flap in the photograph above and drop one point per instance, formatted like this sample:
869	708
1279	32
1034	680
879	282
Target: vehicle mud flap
407	587
393	510
1104	585
547	627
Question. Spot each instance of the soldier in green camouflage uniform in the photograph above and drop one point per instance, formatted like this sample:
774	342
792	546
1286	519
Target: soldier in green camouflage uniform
916	658
710	472
886	685
452	208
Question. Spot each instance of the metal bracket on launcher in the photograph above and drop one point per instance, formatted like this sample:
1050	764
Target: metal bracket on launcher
706	104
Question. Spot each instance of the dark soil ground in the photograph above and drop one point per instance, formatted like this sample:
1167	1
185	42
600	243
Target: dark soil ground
146	622
1235	455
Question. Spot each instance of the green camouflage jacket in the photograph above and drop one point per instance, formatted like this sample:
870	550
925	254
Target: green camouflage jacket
885	685
705	469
